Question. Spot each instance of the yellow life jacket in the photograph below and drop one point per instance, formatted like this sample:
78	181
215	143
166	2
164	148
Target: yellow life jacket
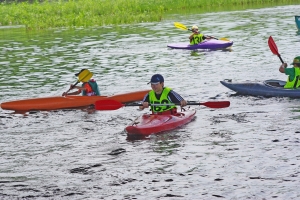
162	100
197	38
295	83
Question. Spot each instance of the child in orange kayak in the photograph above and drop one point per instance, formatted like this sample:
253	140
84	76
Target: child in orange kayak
89	88
162	95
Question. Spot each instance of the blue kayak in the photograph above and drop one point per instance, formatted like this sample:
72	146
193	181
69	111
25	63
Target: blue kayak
268	88
206	44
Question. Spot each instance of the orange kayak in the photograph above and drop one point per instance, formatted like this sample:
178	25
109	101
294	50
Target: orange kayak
68	102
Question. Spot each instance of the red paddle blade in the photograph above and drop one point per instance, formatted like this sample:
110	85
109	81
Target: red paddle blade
108	104
273	46
216	104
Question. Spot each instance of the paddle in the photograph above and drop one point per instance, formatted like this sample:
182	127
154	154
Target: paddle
183	27
274	48
84	76
109	104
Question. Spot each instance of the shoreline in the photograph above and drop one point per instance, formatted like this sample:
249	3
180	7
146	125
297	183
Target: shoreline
93	13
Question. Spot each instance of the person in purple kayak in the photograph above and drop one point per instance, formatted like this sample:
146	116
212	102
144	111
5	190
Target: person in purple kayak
161	95
293	73
197	37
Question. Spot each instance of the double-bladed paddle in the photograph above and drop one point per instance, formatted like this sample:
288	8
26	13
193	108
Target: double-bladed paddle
84	76
183	27
110	104
273	48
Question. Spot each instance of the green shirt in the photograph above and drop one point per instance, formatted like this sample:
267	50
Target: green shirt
290	72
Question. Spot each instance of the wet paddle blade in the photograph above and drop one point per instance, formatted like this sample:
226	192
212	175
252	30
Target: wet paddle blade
85	76
216	104
225	39
180	26
108	104
273	48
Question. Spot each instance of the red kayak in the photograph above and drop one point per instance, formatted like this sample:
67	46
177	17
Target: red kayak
152	123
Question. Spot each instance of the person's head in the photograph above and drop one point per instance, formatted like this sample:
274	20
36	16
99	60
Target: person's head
296	61
195	28
157	83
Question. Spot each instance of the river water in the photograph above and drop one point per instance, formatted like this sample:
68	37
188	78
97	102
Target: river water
249	150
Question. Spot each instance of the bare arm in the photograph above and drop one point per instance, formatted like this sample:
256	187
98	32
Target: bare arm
282	67
191	37
183	103
74	93
145	105
145	102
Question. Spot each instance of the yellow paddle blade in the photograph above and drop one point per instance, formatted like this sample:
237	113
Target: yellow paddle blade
225	39
180	26
85	76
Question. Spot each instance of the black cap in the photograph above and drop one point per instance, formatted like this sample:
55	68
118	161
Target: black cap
156	78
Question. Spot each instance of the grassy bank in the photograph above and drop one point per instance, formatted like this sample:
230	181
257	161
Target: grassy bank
86	13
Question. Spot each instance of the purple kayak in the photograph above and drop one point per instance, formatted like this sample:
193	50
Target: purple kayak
206	44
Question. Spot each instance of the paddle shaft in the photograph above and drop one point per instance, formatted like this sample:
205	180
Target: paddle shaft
280	58
73	86
183	27
110	104
205	35
165	104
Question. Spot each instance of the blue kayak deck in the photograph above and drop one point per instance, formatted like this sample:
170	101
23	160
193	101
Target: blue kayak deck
268	88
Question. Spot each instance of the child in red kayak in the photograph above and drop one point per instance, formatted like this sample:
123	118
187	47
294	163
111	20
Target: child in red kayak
162	95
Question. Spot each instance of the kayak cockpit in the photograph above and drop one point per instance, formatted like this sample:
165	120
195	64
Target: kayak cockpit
275	83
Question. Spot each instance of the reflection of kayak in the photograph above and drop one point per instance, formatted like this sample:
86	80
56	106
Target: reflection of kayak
151	123
268	88
67	102
207	44
297	20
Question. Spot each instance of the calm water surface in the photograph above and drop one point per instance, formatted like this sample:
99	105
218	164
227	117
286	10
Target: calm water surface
247	151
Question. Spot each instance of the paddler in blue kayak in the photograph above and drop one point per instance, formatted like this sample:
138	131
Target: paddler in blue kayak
197	37
89	86
293	73
161	95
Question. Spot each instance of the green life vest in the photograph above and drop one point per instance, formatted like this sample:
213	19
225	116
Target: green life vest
197	39
94	87
295	83
162	100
